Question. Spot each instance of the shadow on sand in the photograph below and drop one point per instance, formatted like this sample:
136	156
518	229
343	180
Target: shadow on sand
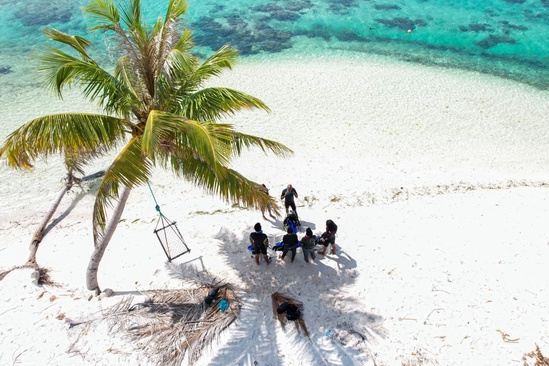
340	330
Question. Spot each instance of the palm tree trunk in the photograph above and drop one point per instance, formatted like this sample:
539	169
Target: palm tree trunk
99	250
39	233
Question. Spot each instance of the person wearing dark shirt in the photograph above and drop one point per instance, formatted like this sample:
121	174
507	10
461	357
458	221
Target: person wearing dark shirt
290	243
308	243
288	194
260	242
329	237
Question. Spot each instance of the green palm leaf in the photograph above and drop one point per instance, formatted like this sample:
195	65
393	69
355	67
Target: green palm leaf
207	141
57	133
61	69
185	42
176	8
78	43
210	104
132	18
221	181
224	58
242	140
105	13
188	82
131	169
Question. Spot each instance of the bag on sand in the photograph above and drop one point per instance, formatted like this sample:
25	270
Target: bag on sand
211	296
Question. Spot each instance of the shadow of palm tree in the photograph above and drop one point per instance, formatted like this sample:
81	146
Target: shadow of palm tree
319	286
91	191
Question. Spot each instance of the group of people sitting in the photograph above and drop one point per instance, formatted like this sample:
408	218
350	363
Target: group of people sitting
290	243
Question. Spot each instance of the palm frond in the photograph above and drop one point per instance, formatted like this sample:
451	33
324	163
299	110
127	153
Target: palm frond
176	83
172	324
57	133
207	141
105	13
62	69
157	28
211	104
224	58
185	42
131	16
221	181
78	43
176	8
168	27
131	169
164	42
242	140
127	79
75	160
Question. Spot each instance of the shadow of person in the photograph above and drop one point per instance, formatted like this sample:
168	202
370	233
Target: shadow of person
307	224
345	261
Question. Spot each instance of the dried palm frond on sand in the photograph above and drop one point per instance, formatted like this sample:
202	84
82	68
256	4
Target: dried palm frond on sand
280	298
537	357
173	324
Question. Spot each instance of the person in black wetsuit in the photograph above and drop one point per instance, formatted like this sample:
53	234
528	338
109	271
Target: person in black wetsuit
260	242
329	237
288	195
308	243
290	243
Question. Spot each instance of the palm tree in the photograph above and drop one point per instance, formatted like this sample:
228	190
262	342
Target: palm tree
156	107
74	162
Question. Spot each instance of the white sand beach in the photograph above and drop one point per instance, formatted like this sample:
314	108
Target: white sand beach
437	179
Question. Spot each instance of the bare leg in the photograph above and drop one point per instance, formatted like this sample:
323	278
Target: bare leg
267	260
257	259
323	252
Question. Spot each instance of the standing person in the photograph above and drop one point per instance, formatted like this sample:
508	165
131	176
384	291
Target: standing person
308	243
328	237
290	243
268	206
260	242
288	195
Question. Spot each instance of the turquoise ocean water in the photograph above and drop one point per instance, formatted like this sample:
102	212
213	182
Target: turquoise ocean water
507	38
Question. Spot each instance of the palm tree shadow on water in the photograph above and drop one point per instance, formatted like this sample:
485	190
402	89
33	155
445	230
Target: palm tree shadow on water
318	286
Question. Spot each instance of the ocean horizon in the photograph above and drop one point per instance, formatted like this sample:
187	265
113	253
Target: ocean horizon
505	38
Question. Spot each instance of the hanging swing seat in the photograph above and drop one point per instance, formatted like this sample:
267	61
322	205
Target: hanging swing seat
170	238
168	234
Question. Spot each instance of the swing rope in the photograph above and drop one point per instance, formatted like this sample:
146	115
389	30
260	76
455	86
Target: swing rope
167	228
157	207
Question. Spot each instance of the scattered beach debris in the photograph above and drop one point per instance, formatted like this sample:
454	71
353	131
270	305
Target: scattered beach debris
506	338
419	357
